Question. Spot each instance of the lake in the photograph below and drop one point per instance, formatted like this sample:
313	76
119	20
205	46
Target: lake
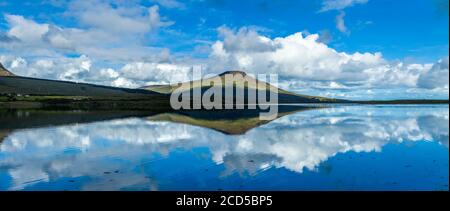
341	147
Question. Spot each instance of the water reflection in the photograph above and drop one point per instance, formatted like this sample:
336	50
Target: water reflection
178	151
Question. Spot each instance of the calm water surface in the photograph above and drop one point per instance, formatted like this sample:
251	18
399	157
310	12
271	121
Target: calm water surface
339	148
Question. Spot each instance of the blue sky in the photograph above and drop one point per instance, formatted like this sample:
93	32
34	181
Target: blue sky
363	49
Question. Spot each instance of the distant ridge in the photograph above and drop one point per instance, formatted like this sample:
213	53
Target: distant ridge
4	71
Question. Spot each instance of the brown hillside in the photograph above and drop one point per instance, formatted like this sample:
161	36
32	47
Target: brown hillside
4	71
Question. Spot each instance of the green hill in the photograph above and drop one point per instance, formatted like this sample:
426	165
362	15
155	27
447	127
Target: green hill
25	92
32	93
284	96
11	84
43	87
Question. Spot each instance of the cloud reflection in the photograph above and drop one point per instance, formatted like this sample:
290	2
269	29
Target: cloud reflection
295	142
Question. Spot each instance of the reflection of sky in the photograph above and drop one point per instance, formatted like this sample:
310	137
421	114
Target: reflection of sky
142	155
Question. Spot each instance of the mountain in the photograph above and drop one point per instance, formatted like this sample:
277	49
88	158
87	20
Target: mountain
4	71
284	96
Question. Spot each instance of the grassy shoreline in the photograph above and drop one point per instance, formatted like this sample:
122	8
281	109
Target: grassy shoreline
402	102
154	103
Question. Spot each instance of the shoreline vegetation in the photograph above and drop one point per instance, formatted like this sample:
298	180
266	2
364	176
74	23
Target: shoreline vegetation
18	92
162	104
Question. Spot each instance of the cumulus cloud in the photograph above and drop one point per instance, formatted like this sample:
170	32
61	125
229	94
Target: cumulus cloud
148	73
81	69
73	69
114	20
303	58
339	4
24	29
118	35
245	40
296	55
436	77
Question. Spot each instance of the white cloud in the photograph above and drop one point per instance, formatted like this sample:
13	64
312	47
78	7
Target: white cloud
72	69
245	39
340	23
339	4
118	35
123	20
151	73
155	19
109	73
58	38
124	82
305	59
80	69
24	29
436	77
